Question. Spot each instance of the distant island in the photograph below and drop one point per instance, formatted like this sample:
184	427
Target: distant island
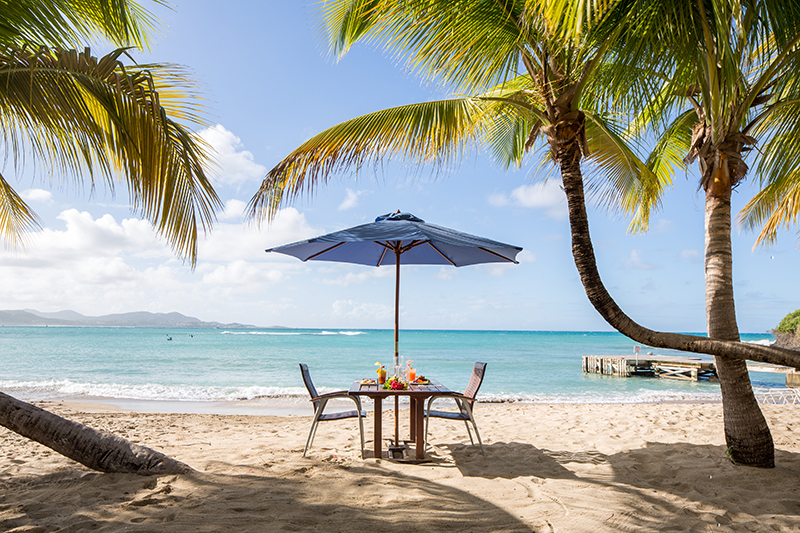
140	319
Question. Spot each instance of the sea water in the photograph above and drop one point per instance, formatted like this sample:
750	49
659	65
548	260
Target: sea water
215	370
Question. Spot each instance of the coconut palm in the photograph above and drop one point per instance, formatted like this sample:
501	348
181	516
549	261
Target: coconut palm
87	119
525	79
474	45
728	82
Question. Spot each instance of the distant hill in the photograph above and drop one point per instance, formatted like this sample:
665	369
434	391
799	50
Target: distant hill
141	319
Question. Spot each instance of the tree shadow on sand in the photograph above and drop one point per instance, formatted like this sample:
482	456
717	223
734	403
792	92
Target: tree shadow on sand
362	497
660	487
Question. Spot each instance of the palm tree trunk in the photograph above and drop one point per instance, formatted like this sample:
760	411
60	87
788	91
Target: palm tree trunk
746	431
568	157
93	449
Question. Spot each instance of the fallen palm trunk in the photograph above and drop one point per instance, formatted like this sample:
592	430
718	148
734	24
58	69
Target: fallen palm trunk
94	449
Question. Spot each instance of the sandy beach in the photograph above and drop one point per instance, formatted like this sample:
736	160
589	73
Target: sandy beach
565	468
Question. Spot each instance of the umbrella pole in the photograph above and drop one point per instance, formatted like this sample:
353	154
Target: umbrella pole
396	341
396	306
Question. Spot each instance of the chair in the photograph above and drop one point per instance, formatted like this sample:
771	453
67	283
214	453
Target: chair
321	400
464	402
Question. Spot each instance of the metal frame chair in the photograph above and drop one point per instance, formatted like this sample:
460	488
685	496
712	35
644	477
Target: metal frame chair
464	402
321	400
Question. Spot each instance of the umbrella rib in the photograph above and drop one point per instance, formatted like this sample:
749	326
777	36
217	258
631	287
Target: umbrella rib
383	254
498	255
440	253
325	251
413	244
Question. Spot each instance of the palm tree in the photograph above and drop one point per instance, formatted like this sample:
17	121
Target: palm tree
726	80
96	118
526	78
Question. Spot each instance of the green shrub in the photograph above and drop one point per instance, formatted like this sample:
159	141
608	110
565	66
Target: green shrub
790	323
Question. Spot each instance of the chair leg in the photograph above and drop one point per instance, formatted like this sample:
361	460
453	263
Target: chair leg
475	426
460	405
314	424
427	419
360	423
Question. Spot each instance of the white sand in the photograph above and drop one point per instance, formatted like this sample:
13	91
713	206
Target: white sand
564	468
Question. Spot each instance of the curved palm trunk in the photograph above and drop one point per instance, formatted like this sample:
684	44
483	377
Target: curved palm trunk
746	431
93	449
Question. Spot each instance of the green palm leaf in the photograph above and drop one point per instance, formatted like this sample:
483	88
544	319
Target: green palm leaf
776	206
620	179
428	133
69	23
470	44
88	116
16	217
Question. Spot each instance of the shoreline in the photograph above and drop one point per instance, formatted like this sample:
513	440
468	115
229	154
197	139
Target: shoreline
548	467
290	405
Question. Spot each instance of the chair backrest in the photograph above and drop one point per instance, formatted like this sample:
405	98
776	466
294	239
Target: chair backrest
307	380
475	382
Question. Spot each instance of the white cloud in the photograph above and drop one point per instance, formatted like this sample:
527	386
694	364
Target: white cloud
356	310
234	210
230	242
366	274
86	237
526	257
635	262
662	226
498	199
242	273
351	199
37	195
496	269
690	254
445	273
546	195
234	164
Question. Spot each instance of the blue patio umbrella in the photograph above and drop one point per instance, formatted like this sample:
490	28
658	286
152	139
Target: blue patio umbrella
401	238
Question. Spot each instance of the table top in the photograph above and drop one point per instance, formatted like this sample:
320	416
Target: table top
434	388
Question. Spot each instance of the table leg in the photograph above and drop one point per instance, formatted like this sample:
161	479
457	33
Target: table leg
412	419
419	426
378	433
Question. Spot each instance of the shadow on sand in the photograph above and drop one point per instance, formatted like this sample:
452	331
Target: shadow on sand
76	500
667	484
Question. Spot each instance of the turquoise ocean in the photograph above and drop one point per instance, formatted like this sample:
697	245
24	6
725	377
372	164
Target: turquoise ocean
224	371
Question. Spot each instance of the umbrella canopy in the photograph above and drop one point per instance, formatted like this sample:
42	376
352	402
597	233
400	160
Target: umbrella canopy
401	238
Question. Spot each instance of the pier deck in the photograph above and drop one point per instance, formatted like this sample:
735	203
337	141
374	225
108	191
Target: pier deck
674	367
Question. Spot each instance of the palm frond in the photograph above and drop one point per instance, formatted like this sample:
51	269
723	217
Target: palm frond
16	217
627	183
671	147
433	133
345	22
72	23
467	44
774	207
88	116
507	136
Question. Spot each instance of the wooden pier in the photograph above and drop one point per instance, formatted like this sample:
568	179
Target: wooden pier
687	368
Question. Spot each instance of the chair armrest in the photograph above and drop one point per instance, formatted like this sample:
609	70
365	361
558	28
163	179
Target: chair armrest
329	395
457	396
323	398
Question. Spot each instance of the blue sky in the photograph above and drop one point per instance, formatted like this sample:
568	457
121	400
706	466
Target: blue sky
271	85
